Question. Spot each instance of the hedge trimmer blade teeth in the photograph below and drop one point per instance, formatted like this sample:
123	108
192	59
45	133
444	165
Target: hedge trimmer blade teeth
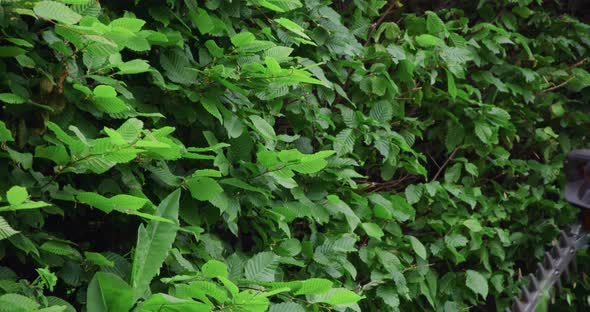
557	263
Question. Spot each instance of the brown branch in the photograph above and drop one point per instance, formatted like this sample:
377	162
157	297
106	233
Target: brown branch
556	86
444	165
576	64
392	5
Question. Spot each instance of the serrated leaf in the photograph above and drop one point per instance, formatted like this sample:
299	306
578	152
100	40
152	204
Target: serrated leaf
477	282
473	225
203	188
373	230
18	303
286	307
434	24
52	10
210	104
214	268
344	142
262	267
153	244
6	230
98	259
292	26
427	40
314	286
382	112
163	302
419	249
263	127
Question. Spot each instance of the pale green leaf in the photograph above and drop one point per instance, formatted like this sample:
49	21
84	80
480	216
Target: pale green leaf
419	249
477	282
52	10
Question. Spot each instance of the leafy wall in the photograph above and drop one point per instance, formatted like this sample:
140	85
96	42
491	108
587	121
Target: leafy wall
284	155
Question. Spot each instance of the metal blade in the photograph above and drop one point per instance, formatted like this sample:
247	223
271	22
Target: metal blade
556	264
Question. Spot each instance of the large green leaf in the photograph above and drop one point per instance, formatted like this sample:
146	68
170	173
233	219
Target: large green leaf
153	244
262	267
477	282
53	10
108	292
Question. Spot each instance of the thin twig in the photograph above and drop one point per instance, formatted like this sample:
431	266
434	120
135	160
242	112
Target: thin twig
392	5
444	165
576	64
557	86
434	160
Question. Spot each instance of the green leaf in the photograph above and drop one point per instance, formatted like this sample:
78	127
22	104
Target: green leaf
11	98
419	249
59	248
580	81
427	40
52	10
9	51
163	302
133	67
57	154
472	225
292	26
382	112
339	296
344	142
373	230
280	5
23	159
434	24
203	188
6	230
451	87
128	23
98	259
108	292
242	39
251	301
286	307
203	21
153	244
210	104
314	286
477	282
484	132
214	268
17	195
262	267
263	127
18	303
402	211
5	134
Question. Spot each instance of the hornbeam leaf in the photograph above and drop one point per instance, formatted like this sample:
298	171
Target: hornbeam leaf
477	282
153	244
60	12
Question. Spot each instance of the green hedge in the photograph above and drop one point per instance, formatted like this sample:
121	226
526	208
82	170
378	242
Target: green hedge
284	155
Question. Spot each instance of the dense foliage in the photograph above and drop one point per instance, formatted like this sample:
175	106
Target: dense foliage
284	155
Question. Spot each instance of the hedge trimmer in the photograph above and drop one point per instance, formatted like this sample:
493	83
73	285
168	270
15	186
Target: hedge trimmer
561	259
